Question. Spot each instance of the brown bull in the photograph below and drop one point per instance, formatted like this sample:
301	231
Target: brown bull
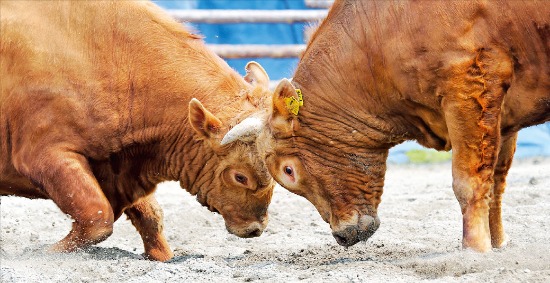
460	75
96	109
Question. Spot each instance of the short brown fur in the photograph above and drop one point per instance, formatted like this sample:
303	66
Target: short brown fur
460	75
94	114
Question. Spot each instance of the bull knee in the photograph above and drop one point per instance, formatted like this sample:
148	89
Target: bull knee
96	227
85	233
101	232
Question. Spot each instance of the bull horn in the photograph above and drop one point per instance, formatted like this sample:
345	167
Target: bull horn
249	127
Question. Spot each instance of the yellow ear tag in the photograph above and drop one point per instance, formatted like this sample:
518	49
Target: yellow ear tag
300	97
293	104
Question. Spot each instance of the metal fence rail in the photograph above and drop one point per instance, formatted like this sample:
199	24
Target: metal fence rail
319	3
248	16
234	51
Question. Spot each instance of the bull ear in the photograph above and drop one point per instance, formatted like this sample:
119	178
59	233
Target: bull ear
286	105
202	121
256	75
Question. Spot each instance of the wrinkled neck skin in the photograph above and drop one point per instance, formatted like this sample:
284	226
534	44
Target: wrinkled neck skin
387	98
351	114
332	137
195	160
156	121
182	154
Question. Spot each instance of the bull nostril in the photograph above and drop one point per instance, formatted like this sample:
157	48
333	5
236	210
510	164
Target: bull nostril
254	233
347	237
341	240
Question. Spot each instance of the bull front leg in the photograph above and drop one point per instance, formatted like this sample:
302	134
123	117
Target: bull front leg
472	100
146	215
66	178
507	149
472	182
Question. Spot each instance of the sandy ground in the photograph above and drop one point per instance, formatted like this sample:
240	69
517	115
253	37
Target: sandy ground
419	239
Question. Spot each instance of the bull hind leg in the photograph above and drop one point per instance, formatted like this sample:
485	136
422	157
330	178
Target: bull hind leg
507	149
472	101
146	215
69	182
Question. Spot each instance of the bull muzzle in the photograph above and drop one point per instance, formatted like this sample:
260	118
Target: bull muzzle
352	234
254	229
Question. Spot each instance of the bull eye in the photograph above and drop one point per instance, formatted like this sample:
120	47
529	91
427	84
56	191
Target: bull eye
241	178
288	170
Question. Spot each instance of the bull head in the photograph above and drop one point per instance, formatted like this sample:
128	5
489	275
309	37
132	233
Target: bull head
233	180
310	165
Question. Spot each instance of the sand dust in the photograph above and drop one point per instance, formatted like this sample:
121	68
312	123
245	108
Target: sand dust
419	239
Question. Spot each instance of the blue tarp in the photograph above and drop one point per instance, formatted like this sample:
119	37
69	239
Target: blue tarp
533	141
247	33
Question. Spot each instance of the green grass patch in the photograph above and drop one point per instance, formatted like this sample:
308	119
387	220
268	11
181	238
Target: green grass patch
427	156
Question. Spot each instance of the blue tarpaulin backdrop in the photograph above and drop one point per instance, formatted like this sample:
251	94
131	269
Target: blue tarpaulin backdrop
533	141
248	33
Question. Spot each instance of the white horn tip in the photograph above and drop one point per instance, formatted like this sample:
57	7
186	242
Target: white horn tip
248	127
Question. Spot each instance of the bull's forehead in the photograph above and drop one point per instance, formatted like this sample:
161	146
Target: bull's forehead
238	150
339	171
245	155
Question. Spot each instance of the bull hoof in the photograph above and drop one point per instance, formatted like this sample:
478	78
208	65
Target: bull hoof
502	242
162	256
481	247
